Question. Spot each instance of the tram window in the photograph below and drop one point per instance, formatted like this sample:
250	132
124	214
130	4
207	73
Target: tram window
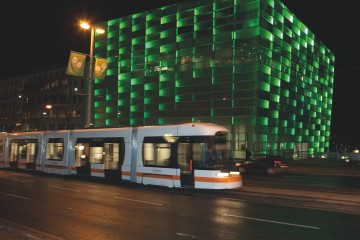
96	155
13	151
23	149
108	151
157	154
202	157
184	156
111	155
30	152
55	149
202	151
196	154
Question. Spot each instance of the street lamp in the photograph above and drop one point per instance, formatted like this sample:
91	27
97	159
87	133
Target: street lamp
89	102
50	107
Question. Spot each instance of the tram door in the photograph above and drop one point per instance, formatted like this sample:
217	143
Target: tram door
82	156
14	148
23	153
2	157
114	153
185	163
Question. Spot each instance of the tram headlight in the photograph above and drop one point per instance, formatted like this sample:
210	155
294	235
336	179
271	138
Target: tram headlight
223	174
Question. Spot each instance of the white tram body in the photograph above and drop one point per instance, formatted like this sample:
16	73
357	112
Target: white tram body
56	153
22	150
108	150
191	154
3	136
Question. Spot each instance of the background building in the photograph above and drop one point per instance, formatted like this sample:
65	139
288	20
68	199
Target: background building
46	99
252	66
11	104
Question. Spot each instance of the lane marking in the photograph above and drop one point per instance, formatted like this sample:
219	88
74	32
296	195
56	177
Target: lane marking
134	200
67	189
15	196
15	180
35	233
271	221
29	236
185	235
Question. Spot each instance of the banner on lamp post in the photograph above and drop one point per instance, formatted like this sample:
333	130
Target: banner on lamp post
76	64
100	68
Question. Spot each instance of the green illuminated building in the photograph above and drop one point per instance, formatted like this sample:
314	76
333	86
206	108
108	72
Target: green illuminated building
250	65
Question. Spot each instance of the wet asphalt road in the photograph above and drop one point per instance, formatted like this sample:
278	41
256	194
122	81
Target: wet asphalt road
254	186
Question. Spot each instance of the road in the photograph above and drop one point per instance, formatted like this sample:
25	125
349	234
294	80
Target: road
46	207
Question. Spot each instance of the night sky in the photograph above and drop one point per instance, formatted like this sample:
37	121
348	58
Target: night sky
41	33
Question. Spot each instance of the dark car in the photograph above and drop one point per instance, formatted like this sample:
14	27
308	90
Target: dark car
263	163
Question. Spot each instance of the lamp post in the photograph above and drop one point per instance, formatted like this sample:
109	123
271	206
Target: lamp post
91	63
90	83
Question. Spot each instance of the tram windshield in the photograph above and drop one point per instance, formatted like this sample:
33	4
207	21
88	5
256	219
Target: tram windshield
215	153
189	152
206	152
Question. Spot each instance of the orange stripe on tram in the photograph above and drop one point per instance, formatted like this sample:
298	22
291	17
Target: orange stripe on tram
219	180
159	176
94	170
55	166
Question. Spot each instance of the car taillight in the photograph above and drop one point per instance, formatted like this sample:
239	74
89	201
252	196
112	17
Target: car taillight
277	162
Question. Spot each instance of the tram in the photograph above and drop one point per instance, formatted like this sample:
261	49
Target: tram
184	155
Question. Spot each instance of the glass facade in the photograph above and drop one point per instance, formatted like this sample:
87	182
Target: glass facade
250	65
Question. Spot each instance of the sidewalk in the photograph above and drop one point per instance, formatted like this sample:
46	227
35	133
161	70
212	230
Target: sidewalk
346	200
324	167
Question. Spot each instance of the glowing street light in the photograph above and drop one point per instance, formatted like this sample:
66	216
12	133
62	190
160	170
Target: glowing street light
50	107
85	25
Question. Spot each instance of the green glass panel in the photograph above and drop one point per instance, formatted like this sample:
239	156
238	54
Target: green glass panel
263	103
277	32
125	24
147	100
167	19
246	33
266	34
275	82
275	98
262	121
274	114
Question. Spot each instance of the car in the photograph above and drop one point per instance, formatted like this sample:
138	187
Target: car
263	163
345	158
351	157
